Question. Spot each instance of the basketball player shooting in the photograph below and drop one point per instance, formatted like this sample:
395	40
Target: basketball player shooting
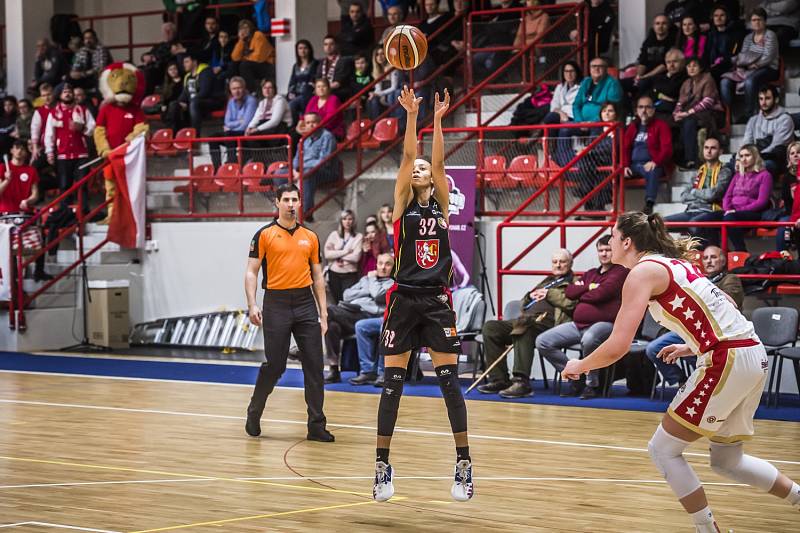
720	398
419	307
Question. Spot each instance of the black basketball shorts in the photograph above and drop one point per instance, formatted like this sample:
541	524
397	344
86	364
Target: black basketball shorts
417	318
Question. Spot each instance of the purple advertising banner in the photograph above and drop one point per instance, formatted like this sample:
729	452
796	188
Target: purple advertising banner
462	218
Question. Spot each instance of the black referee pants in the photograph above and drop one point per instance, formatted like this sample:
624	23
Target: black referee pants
287	312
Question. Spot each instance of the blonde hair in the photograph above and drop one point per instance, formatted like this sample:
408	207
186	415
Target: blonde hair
377	68
758	166
793	144
649	234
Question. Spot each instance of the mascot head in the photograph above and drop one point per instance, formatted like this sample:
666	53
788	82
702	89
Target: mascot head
122	83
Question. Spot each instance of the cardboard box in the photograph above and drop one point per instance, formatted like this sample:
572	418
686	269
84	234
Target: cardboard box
109	321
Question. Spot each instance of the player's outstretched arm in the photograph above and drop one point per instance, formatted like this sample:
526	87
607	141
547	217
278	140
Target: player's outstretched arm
402	187
440	188
643	281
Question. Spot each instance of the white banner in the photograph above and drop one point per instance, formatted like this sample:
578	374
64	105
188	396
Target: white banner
5	262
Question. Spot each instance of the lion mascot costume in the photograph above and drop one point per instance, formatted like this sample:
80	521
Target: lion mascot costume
120	118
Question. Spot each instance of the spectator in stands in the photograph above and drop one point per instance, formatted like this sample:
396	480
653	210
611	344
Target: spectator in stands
595	90
598	295
791	204
179	52
602	20
593	169
456	36
367	332
334	68
534	109
170	90
542	308
724	40
691	41
394	17
197	97
387	90
699	106
714	264
496	31
38	123
89	62
677	9
784	19
647	149
65	138
273	115
534	23
239	112
703	197
771	129
254	55
748	195
187	14
24	118
755	65
666	87
343	253
82	99
356	35
19	184
316	147
372	245
49	66
363	300
221	63
439	48
209	46
325	105
383	219
564	94
650	63
154	62
301	82
8	123
362	76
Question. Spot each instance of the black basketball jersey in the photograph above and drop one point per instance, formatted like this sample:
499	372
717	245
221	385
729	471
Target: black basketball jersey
422	247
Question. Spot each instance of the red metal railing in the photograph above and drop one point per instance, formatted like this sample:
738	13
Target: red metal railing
507	268
229	184
19	300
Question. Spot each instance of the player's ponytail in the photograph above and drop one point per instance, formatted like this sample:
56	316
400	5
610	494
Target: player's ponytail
649	234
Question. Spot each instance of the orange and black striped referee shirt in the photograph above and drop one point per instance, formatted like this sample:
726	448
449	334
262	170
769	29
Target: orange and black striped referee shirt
286	255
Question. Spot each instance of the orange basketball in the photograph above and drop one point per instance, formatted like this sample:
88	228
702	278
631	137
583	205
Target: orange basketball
406	47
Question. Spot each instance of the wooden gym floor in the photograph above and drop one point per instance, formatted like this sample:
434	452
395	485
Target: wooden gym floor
101	454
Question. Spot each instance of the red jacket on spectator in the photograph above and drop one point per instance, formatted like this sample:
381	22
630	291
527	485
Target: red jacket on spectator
20	186
61	138
38	123
659	143
599	297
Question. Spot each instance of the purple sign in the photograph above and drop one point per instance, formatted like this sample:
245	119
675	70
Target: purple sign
462	218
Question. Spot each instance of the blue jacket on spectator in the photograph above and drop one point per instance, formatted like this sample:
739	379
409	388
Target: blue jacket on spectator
586	107
315	149
239	114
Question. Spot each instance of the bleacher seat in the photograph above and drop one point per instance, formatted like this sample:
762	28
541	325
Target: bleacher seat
362	127
227	178
202	171
737	259
183	139
494	169
151	101
385	130
253	174
161	143
523	170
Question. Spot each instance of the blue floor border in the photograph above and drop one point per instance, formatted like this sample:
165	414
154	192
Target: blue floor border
246	375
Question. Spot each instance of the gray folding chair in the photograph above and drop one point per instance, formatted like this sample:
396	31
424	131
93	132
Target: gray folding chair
777	329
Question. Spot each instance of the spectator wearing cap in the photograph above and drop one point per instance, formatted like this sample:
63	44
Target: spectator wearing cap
254	54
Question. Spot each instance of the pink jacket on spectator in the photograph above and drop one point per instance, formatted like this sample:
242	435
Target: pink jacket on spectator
748	192
336	124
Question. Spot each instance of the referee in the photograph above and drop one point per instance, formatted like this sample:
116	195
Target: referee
289	256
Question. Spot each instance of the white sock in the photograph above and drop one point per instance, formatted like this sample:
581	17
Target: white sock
794	495
704	521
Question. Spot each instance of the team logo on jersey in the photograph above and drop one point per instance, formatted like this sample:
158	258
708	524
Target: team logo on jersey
427	253
24	177
450	332
442	222
304	242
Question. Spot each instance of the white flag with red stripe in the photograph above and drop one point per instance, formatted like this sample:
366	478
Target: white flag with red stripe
129	166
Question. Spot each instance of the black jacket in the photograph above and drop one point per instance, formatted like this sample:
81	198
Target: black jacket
653	51
355	38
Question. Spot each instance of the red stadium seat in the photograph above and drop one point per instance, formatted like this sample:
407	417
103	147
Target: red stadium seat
202	171
386	130
494	170
355	129
523	170
737	259
252	174
149	102
161	143
183	139
227	177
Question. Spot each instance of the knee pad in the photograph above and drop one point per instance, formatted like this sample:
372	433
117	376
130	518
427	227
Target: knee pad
453	399
666	453
394	377
730	461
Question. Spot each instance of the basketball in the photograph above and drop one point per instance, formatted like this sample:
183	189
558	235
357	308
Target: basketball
406	47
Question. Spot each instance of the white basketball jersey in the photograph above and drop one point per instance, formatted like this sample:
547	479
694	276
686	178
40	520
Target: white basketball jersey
695	308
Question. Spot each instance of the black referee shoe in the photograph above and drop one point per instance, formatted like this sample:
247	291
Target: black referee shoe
320	435
253	425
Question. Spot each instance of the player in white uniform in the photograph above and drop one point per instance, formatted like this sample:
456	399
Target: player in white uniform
721	396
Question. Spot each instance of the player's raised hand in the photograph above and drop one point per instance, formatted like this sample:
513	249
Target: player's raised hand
409	100
440	107
673	352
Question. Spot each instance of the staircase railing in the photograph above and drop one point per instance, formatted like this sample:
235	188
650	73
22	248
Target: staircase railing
19	299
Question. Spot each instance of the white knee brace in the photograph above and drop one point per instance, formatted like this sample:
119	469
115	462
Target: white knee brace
730	461
666	452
